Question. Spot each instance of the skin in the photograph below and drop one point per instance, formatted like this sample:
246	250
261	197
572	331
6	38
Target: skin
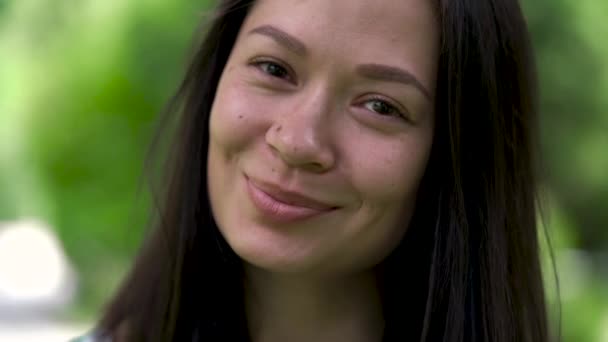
305	117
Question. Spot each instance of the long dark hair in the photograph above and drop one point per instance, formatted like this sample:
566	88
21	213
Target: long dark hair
468	268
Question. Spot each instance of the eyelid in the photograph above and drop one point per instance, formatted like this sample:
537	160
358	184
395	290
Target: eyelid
257	61
401	110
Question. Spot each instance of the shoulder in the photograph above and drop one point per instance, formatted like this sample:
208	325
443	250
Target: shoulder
91	338
122	333
85	338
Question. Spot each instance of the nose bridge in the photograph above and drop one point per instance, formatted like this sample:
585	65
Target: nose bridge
308	116
301	134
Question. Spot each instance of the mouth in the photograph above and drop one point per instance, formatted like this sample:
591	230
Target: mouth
280	205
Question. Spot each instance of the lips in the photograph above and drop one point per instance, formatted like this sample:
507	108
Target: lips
281	205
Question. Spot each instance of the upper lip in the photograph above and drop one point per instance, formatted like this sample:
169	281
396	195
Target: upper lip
290	197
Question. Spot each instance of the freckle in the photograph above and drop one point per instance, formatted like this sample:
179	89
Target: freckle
240	116
273	170
279	128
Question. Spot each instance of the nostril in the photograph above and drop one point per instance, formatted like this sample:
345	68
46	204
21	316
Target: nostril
299	145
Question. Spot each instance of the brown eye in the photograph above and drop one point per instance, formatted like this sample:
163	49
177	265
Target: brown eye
382	107
273	69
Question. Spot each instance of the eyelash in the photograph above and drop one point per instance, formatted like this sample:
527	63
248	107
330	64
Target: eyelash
286	71
263	64
395	111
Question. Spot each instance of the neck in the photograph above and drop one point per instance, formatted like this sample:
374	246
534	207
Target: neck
282	307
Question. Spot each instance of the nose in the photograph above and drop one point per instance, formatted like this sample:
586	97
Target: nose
302	137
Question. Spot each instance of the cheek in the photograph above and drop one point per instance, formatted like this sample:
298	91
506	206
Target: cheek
388	172
236	120
387	180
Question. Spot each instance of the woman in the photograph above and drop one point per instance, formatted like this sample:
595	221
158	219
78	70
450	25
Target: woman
347	170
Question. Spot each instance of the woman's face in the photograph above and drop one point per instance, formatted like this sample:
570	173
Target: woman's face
321	130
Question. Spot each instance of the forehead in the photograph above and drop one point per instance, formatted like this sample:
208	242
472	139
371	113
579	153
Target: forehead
376	15
396	32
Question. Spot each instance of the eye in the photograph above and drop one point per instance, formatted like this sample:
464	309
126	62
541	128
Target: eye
273	69
383	107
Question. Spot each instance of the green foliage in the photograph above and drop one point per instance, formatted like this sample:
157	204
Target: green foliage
84	84
574	80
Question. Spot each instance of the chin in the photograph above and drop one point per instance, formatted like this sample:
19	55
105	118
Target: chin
274	254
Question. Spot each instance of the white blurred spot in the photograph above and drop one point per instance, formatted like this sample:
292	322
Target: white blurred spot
41	331
35	276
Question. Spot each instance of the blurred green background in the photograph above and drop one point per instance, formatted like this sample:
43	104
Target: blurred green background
82	83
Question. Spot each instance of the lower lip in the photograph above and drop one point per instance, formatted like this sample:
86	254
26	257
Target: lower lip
279	211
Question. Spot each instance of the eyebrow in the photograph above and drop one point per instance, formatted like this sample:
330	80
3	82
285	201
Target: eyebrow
283	38
373	71
392	74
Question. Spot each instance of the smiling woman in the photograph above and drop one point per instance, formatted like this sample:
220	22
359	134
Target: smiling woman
283	125
347	170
